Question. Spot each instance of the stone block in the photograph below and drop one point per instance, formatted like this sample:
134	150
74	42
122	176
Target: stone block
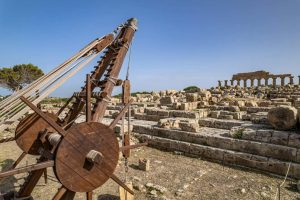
196	149
163	113
203	113
234	108
206	122
214	114
191	97
144	164
189	126
167	100
239	115
283	117
227	117
251	104
259	118
280	137
294	140
263	135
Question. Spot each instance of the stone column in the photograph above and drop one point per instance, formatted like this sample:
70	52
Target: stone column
258	82
266	81
291	80
274	82
299	80
239	82
220	83
252	82
231	82
245	83
226	83
282	80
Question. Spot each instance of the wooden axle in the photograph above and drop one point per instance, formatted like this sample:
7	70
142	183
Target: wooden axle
94	157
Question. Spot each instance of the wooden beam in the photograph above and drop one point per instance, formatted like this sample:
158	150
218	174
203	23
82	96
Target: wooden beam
18	160
120	115
28	168
50	121
61	191
123	148
89	195
88	99
118	181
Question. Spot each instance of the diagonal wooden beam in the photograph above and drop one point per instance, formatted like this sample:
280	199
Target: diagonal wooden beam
18	160
50	121
123	185
120	115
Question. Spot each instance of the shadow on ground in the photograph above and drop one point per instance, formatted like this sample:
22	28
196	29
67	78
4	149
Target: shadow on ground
108	197
7	184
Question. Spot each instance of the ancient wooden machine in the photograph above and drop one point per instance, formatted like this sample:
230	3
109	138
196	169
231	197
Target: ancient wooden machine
85	155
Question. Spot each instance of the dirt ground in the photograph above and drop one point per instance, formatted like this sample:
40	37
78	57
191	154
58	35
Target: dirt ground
171	176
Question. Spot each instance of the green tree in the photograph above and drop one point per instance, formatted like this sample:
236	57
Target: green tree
16	77
191	89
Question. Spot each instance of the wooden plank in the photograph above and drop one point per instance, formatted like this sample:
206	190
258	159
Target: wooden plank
124	195
120	115
28	168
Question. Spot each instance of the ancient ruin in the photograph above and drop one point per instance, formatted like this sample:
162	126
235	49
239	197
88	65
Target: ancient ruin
260	77
255	126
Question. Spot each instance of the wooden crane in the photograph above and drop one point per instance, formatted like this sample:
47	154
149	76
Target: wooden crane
85	155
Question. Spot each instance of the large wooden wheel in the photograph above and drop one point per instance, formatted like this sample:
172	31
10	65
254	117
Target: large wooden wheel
72	167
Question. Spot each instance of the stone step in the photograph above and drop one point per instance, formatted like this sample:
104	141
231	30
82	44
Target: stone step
221	123
218	138
223	156
260	134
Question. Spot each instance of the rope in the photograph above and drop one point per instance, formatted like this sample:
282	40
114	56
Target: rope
7	139
287	172
129	59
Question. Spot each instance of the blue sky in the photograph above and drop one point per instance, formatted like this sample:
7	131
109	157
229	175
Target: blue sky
179	43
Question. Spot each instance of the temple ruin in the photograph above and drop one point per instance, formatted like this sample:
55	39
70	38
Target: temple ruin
259	78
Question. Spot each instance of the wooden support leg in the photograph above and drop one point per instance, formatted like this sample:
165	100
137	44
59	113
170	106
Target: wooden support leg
69	195
29	185
46	176
61	191
89	195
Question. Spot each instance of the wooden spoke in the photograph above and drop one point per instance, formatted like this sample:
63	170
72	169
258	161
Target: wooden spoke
123	185
123	148
50	121
28	168
120	115
18	160
89	195
61	191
